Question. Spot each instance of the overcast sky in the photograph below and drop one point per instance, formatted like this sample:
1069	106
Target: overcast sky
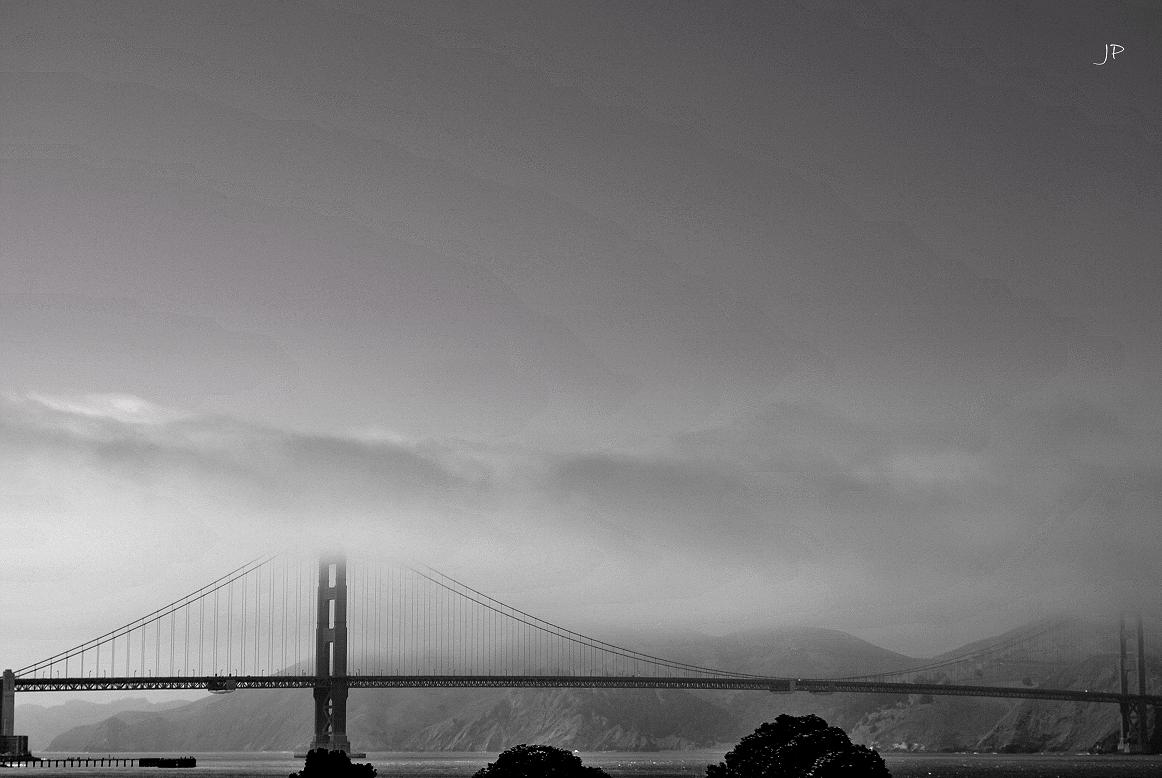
636	315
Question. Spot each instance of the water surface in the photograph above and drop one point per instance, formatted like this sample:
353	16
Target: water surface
662	764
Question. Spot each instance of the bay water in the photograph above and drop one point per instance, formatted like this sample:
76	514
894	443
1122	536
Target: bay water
662	764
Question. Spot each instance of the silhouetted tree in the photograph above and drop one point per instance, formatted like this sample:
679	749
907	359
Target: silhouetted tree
525	761
798	747
322	763
857	761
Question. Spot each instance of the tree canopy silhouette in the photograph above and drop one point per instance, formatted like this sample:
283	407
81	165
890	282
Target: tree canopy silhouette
322	763
525	761
798	747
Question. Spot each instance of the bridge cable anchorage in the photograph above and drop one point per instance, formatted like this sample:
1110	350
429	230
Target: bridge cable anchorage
149	618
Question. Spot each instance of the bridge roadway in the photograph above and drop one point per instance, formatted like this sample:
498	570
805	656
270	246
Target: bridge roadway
758	683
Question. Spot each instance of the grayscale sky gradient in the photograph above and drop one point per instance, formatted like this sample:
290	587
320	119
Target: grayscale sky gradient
638	315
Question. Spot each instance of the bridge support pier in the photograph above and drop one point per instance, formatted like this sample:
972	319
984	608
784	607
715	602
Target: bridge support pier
7	704
10	744
331	657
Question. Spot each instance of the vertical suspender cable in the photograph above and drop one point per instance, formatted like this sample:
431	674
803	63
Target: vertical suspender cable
407	622
298	604
418	654
380	638
421	636
427	606
257	628
365	616
400	623
381	623
242	626
270	622
257	622
361	609
417	635
391	631
377	627
428	628
377	618
309	668
311	624
285	562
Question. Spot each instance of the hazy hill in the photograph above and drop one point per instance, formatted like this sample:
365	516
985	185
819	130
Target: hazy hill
42	723
983	724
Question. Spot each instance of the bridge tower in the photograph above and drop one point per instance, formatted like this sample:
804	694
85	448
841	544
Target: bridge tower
1135	734
10	744
331	656
7	703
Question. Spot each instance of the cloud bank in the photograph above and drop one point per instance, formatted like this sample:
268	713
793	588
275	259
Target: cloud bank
839	522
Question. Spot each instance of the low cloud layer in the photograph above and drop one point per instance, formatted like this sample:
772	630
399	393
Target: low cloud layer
841	523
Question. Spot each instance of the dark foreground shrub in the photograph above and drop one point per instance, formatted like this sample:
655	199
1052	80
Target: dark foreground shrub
526	761
798	747
856	761
322	763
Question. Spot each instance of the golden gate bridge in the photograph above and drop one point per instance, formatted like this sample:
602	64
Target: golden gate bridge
282	622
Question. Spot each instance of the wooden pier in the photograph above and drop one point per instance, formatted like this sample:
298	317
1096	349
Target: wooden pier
99	761
73	761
